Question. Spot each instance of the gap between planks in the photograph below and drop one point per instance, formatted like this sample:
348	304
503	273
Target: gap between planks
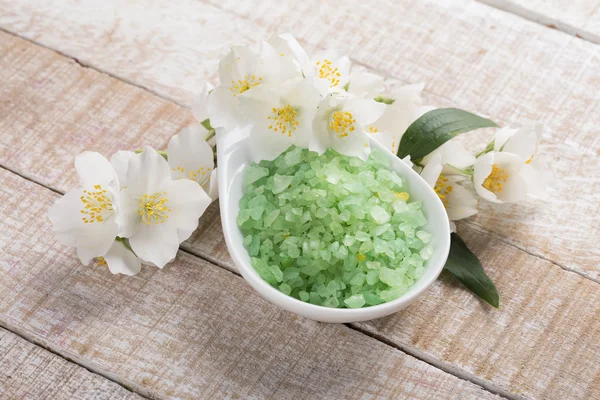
419	355
541	19
111	377
81	363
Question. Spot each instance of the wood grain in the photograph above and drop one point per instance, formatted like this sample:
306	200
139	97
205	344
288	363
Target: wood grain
189	331
539	345
470	55
578	17
29	372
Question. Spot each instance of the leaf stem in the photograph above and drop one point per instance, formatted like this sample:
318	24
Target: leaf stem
487	149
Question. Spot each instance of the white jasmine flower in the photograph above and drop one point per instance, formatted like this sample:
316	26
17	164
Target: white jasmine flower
497	177
85	217
524	142
191	157
281	116
241	71
287	47
200	104
121	260
398	116
120	161
331	70
158	213
459	202
453	156
365	84
340	123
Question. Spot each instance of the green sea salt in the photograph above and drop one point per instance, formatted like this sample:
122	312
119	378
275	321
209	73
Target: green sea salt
333	230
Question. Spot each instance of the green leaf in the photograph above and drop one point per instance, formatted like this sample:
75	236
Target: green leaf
206	124
435	128
384	100
209	128
466	267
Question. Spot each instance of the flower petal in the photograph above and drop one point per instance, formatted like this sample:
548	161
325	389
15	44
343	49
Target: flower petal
514	190
120	162
365	111
94	169
188	202
147	173
356	145
501	137
335	75
483	169
288	47
189	155
282	116
432	170
200	104
121	260
237	65
65	218
461	202
365	84
222	108
454	154
91	239
157	244
128	217
538	180
524	142
213	191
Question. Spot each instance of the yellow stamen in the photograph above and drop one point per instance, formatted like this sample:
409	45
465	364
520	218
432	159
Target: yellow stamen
97	206
242	85
360	257
443	189
342	123
496	180
326	71
529	161
285	120
101	261
199	175
153	208
372	129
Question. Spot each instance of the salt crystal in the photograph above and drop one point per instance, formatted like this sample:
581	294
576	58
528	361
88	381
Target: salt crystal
333	230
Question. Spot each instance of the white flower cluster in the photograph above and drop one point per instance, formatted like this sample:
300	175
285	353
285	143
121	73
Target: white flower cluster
317	102
505	172
290	98
137	208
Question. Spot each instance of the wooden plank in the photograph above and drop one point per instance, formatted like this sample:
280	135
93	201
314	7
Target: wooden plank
483	59
29	372
578	17
530	347
540	344
189	331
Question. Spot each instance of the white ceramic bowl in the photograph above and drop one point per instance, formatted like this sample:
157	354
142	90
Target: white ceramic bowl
234	157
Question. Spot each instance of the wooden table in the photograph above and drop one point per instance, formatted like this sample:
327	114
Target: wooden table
108	75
